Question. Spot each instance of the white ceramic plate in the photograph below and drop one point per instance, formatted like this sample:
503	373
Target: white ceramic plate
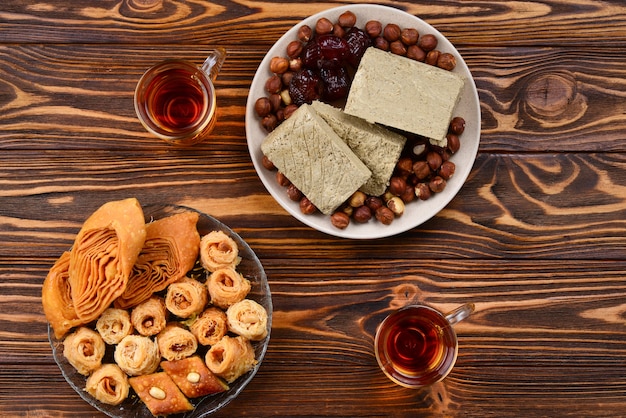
416	212
250	267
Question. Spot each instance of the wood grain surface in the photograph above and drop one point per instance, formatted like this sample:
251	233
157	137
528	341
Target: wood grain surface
536	238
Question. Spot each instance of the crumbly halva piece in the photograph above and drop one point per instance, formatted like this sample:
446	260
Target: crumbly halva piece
377	147
405	94
311	155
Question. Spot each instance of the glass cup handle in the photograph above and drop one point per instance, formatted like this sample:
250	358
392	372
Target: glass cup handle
213	63
460	313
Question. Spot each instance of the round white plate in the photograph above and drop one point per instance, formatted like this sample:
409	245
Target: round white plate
416	212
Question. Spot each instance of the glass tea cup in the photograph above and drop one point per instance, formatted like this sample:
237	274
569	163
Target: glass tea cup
175	99
416	345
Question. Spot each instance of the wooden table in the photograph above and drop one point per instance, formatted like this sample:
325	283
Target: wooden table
536	238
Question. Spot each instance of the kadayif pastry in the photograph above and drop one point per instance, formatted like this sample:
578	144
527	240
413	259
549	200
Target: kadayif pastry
56	297
175	342
108	384
186	297
160	394
193	377
169	252
231	357
210	326
248	319
103	256
137	355
113	325
84	350
227	286
149	317
218	250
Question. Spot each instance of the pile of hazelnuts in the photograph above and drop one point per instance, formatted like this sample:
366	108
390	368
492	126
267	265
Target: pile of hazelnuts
423	168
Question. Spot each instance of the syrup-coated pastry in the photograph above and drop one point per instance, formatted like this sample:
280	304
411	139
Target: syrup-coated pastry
108	384
84	349
248	319
218	250
175	342
56	297
186	297
193	377
149	317
169	252
227	286
160	394
210	326
113	325
103	256
231	357
137	355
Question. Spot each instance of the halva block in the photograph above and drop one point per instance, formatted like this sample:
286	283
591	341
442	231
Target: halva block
405	94
311	155
377	147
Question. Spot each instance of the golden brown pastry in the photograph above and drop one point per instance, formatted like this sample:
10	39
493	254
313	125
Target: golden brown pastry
231	357
186	297
108	384
160	394
175	342
169	252
84	349
149	317
137	355
226	286
193	377
113	325
103	256
56	297
218	250
210	326
248	319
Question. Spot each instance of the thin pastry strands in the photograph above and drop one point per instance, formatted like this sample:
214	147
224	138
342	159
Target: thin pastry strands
108	384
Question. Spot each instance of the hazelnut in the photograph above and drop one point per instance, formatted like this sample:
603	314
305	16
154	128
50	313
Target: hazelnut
432	57
267	163
427	42
409	194
275	101
269	122
397	185
357	199
446	171
323	26
404	166
306	206
279	65
362	214
421	169
262	106
381	43
409	36
286	77
285	97
416	53
293	193
373	202
446	61
273	84
338	30
295	64
373	28
422	191
434	160
437	184
282	180
294	48
454	143
384	215
398	48
340	220
347	209
419	149
396	205
289	109
305	33
280	115
457	125
391	32
347	19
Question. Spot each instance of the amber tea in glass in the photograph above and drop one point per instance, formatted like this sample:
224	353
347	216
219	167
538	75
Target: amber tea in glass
416	346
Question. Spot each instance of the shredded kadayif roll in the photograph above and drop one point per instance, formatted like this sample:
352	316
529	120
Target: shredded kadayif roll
113	325
169	252
149	317
108	384
248	319
218	250
227	286
103	256
176	343
84	349
186	297
230	357
210	326
137	355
